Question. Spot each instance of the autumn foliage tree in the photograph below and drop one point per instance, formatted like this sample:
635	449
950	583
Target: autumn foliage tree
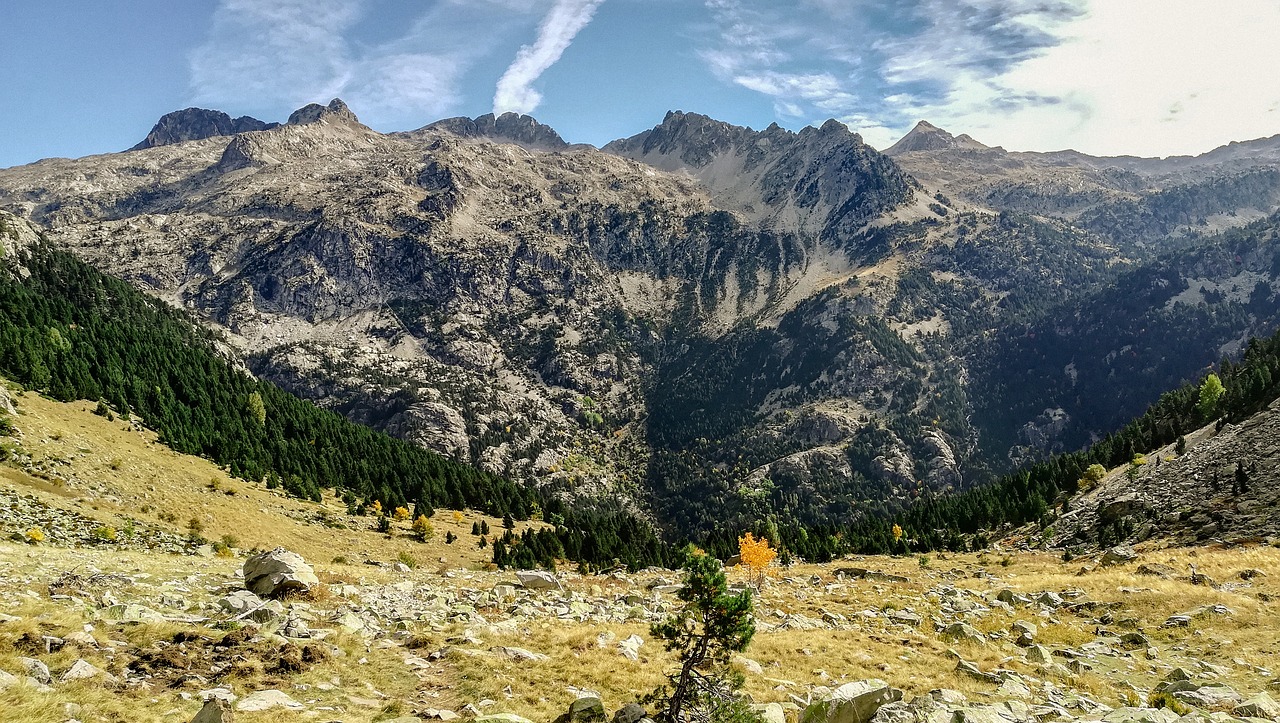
756	555
422	528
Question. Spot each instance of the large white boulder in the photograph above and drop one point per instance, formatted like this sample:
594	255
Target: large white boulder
277	572
855	702
538	580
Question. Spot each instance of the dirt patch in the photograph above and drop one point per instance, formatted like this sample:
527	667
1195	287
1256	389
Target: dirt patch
195	658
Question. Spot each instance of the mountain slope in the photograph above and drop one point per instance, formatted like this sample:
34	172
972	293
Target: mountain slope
723	326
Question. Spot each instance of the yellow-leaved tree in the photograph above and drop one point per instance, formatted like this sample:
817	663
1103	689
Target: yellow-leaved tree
422	528
756	555
401	514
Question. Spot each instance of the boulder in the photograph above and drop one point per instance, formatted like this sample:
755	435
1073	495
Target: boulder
770	712
1155	569
956	632
84	670
855	702
520	654
1261	705
1039	655
630	647
538	580
215	710
971	670
1210	697
1024	633
132	614
240	601
267	700
589	709
630	713
749	665
37	670
7	680
1119	555
1141	715
278	572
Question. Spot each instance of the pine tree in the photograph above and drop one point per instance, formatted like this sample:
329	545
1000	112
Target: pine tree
704	633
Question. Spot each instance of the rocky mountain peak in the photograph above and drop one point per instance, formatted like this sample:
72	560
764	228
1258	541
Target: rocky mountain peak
819	179
928	137
695	138
314	113
193	124
522	130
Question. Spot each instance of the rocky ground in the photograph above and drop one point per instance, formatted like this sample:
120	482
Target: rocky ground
110	635
1223	487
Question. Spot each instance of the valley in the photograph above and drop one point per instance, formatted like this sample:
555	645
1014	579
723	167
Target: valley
1005	634
688	314
587	357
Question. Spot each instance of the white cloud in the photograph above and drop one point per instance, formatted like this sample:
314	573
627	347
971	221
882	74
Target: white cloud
292	52
1143	77
1149	77
515	91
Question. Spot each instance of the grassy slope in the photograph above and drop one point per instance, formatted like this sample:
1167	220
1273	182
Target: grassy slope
915	660
150	475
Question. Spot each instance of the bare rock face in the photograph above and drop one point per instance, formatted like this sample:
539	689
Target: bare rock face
943	467
433	425
826	180
336	111
928	137
193	124
278	572
522	130
1224	486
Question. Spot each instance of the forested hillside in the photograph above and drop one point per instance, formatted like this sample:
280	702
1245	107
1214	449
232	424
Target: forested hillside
967	520
74	333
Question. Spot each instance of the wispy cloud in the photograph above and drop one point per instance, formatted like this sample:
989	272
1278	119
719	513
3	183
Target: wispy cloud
1140	76
267	53
873	64
291	50
515	91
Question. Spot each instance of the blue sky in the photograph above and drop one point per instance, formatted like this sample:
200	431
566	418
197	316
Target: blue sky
1147	77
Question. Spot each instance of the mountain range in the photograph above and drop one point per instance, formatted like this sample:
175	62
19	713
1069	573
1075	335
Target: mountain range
703	322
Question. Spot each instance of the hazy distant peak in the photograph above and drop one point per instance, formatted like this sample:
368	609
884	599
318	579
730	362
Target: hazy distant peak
522	130
928	137
193	124
314	113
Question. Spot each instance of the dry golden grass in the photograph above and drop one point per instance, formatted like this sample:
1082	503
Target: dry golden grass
151	480
140	472
359	672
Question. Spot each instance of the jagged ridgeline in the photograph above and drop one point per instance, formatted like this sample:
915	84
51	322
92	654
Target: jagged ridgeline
73	333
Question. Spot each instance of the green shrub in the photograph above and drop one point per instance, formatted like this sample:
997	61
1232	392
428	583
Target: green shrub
103	533
1166	700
